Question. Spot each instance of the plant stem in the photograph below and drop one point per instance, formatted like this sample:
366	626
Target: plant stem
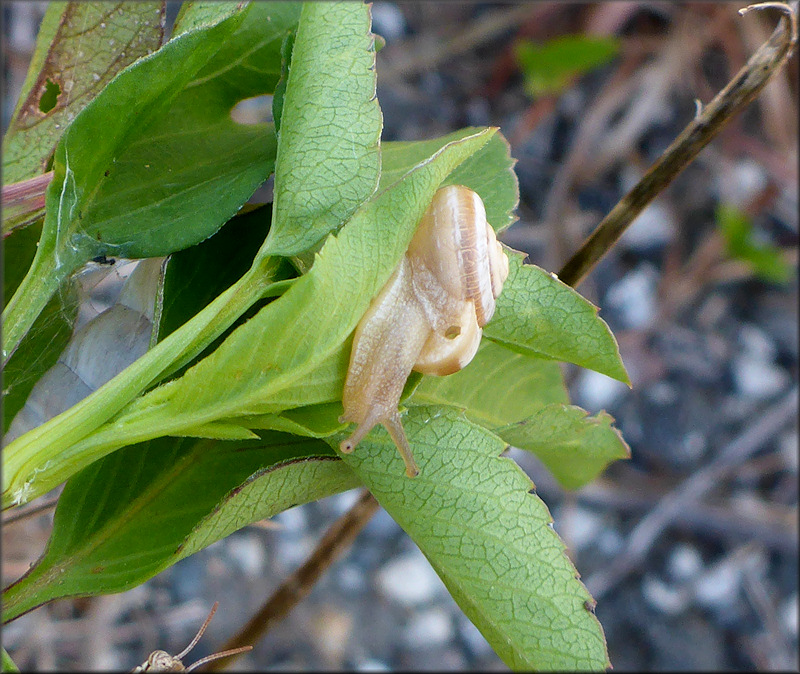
340	535
43	279
38	460
23	202
738	93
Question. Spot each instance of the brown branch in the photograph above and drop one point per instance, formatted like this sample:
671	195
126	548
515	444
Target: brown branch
340	535
738	93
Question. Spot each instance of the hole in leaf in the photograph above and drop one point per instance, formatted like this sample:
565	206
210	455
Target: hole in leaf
50	96
255	110
452	332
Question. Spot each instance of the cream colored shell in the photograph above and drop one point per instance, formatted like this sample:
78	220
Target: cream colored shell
428	317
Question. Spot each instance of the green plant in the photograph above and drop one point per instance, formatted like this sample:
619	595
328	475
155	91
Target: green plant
233	413
551	67
741	243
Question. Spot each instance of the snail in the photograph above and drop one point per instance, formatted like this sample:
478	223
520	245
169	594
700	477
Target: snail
428	317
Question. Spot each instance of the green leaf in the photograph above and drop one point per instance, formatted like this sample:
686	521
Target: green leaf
178	176
523	400
764	259
313	421
81	46
294	352
173	166
8	664
280	88
538	314
328	150
499	386
199	14
574	446
47	337
197	275
551	67
304	360
488	537
489	172
126	518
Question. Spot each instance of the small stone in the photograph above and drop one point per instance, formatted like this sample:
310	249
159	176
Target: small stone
372	665
341	503
248	554
719	586
756	343
577	526
633	297
741	183
409	580
651	230
663	393
388	21
433	627
788	615
291	552
757	379
294	520
684	562
666	598
609	542
596	391
693	446
331	629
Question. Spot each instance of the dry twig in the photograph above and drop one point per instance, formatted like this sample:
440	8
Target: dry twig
340	535
738	93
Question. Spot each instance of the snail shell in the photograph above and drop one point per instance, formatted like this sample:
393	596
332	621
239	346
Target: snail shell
428	317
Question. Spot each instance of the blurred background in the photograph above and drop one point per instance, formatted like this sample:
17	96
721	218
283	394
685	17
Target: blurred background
691	546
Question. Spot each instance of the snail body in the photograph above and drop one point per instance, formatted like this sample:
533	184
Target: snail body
428	317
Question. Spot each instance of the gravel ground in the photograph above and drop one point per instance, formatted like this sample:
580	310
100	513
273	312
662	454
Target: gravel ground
684	580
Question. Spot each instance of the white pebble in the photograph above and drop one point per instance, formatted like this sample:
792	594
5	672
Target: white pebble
248	554
372	666
666	598
633	297
756	343
351	578
653	228
609	542
757	379
294	520
741	183
788	615
429	628
685	562
719	586
388	21
578	527
597	391
409	580
341	503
